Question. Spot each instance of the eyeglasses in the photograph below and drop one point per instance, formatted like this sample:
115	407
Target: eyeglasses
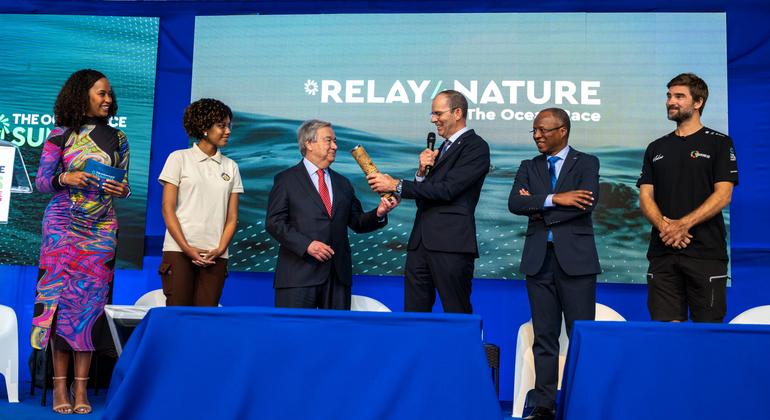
544	130
438	114
326	140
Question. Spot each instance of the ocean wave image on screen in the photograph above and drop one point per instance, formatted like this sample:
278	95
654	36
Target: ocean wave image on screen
263	146
46	49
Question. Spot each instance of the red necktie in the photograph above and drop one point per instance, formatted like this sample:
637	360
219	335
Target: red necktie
324	191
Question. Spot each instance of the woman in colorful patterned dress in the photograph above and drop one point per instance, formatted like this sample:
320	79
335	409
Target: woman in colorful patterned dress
77	255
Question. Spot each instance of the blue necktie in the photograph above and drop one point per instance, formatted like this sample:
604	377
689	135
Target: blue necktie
442	150
552	170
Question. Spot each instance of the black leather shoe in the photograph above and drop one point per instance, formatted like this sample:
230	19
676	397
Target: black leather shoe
541	413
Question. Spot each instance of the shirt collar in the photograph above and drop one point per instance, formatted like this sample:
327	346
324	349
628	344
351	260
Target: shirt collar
311	168
200	156
457	135
562	154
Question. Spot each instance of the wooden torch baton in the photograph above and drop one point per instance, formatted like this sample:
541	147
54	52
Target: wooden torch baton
366	164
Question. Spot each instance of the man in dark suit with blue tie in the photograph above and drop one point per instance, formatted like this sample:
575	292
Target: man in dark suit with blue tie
442	247
309	211
557	190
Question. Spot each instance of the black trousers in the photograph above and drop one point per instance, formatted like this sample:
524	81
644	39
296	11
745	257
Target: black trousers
678	282
553	292
328	295
427	271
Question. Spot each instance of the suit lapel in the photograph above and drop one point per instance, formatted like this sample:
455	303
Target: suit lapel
336	191
541	170
456	146
566	167
307	184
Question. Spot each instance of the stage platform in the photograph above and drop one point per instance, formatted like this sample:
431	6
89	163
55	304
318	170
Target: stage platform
655	370
29	407
202	363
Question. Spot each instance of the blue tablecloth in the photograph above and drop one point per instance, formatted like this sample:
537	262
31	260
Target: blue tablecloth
248	363
646	370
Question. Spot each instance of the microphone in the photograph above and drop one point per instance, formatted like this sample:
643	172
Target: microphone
431	145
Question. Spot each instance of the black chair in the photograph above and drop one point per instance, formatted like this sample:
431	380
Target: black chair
493	359
41	359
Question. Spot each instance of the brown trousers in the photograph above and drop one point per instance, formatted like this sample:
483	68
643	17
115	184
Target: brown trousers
186	284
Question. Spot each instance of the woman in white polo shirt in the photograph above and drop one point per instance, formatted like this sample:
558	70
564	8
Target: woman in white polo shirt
200	208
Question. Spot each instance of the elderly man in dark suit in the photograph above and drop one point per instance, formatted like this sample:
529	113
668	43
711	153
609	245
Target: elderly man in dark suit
309	211
442	247
557	190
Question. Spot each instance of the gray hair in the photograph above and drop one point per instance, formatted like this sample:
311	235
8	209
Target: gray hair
307	131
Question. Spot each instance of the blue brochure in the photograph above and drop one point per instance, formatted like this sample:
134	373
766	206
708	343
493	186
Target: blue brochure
104	172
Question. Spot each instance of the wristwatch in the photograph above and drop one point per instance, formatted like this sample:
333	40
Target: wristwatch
399	186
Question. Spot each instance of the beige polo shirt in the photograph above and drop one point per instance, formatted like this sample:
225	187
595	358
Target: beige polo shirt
205	184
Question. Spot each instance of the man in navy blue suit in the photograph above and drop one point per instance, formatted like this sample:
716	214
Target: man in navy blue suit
442	247
309	211
557	190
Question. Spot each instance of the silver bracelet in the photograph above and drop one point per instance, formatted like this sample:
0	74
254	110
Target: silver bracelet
61	178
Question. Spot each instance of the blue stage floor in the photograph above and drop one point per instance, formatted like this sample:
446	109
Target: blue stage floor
29	407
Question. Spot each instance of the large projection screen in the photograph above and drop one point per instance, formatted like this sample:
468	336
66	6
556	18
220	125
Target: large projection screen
40	52
374	76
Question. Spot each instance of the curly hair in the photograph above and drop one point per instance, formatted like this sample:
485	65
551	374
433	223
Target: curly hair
73	100
200	115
